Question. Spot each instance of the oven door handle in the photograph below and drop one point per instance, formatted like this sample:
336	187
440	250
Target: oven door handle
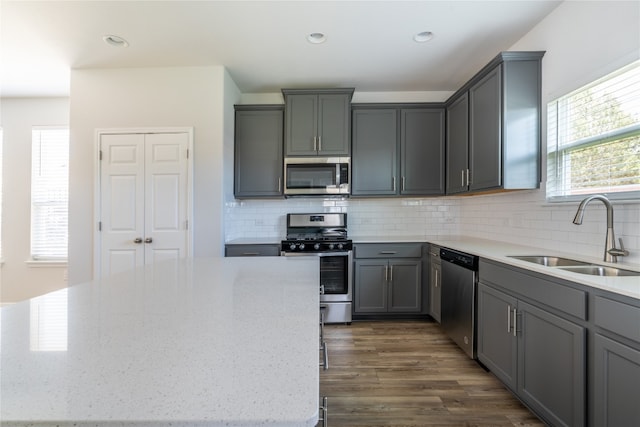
318	254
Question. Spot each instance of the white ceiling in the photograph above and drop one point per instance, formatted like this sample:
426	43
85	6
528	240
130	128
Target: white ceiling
262	44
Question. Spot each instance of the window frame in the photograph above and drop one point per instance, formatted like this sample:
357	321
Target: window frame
40	260
555	167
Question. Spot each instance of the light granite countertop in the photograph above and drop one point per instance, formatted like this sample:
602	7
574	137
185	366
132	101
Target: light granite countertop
500	251
202	342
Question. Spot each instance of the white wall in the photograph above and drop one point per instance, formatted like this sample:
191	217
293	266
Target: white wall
20	280
584	41
148	97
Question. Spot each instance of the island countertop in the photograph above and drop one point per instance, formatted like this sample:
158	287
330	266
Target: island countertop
200	342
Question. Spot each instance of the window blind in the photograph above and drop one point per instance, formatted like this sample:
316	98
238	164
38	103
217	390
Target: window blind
594	138
49	193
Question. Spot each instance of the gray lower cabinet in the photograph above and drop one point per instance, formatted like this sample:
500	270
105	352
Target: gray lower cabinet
258	151
493	127
252	250
398	150
539	353
435	282
388	279
616	363
317	122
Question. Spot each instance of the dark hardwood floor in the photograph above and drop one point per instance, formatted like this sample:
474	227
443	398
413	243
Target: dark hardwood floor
408	373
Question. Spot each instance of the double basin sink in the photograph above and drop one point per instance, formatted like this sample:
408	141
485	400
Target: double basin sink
575	266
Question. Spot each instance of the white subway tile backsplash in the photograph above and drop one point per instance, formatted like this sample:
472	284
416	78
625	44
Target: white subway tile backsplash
515	217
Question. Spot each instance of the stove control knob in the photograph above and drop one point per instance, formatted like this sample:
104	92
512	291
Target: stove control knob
316	246
340	245
331	246
292	246
301	246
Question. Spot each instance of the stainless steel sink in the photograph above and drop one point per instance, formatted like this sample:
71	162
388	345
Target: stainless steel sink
601	270
550	261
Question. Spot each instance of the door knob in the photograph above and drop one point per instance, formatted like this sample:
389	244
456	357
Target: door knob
137	240
148	240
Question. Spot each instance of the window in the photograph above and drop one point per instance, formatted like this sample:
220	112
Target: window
49	193
594	139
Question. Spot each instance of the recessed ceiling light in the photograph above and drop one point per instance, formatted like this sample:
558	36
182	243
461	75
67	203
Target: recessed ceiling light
422	37
316	38
115	41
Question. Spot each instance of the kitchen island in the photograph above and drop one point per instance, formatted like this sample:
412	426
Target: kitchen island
201	342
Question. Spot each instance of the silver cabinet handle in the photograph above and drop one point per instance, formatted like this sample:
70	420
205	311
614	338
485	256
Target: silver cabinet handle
462	177
437	279
319	143
324	410
468	177
388	252
386	273
137	240
508	319
148	240
402	184
391	274
393	182
279	184
515	322
250	253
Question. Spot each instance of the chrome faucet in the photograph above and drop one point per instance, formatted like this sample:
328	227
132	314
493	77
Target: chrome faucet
611	253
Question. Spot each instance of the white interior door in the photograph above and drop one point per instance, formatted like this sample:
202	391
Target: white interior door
144	199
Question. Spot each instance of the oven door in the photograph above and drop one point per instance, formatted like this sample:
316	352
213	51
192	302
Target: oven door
336	282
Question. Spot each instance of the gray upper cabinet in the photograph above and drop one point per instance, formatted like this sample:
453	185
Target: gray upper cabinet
374	162
317	122
258	151
398	149
498	144
458	145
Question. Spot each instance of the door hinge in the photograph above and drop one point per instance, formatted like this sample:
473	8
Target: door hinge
99	225
187	153
186	225
100	155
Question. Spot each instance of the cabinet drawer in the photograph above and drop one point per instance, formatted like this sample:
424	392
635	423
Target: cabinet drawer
390	250
553	294
620	318
252	250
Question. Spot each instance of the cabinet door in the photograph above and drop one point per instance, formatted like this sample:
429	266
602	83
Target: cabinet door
457	145
374	161
370	287
616	379
258	153
301	125
422	151
405	286
485	132
435	275
334	125
551	366
497	345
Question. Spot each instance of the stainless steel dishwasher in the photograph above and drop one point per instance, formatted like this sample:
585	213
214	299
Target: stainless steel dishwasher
458	311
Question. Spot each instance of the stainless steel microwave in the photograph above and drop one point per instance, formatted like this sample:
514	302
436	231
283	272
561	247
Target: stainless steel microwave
307	176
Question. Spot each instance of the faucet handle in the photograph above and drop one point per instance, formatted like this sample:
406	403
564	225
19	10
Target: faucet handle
619	251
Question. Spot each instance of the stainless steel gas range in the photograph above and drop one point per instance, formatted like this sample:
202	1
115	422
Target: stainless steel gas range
325	235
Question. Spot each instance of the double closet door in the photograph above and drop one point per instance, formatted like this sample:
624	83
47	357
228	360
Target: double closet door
144	198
